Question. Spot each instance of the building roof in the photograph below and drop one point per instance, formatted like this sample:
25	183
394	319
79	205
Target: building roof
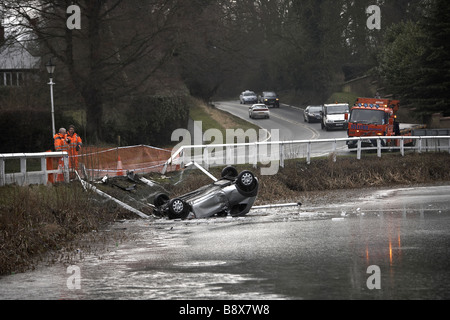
14	56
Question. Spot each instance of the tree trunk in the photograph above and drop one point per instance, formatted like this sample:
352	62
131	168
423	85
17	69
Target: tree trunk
92	94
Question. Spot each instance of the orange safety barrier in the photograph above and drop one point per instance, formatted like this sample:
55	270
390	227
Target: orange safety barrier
99	162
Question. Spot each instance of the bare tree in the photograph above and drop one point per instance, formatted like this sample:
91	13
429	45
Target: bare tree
117	52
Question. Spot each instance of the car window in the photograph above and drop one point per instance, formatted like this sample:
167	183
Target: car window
337	109
259	107
368	116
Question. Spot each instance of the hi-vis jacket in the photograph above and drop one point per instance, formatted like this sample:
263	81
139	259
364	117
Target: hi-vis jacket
74	142
60	142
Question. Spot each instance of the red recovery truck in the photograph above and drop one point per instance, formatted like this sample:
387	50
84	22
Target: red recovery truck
376	117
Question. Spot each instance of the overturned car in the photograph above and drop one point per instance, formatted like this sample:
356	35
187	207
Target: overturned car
233	194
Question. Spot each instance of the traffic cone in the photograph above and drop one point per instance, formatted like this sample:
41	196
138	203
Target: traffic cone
119	167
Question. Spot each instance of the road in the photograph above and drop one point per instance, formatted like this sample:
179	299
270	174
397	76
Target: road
287	124
287	119
373	244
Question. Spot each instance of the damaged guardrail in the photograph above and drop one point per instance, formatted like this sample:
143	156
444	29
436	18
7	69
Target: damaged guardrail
88	186
278	205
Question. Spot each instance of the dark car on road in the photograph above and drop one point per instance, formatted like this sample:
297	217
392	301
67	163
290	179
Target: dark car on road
270	98
313	114
233	194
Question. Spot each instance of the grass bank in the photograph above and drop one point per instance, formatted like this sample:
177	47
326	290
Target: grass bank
47	221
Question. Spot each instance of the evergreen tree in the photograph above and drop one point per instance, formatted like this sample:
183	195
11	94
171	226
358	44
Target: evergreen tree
399	61
432	89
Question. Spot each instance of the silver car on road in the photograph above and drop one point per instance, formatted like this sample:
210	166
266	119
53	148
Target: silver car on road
248	97
258	111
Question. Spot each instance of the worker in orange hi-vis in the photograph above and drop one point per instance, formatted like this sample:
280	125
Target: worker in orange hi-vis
59	140
74	141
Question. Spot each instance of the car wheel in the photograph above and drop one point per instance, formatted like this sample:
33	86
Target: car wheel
246	178
229	172
178	209
160	199
247	183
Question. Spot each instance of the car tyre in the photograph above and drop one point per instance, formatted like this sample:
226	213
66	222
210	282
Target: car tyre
247	184
229	172
178	209
161	199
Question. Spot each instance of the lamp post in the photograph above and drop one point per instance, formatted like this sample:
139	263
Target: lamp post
50	69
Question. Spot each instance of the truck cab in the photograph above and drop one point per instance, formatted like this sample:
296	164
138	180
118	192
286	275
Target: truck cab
373	117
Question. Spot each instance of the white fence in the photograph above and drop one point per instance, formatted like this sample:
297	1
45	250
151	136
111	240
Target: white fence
265	152
26	177
232	154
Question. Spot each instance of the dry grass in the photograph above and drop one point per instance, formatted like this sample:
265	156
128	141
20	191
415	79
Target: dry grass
349	173
36	220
